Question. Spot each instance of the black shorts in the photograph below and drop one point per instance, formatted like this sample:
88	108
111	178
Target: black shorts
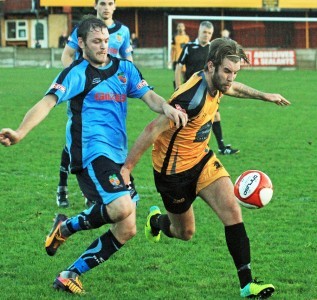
178	191
101	181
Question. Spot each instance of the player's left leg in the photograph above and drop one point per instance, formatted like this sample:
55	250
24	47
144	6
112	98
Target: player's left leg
99	251
102	181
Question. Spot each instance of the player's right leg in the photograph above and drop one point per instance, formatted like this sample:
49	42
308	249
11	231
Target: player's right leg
104	184
177	193
178	225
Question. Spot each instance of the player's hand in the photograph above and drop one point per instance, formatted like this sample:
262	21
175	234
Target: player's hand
9	137
180	118
125	173
277	99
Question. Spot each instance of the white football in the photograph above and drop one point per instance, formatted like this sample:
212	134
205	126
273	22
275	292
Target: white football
253	189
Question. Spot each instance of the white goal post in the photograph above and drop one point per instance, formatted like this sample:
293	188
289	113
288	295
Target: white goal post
172	18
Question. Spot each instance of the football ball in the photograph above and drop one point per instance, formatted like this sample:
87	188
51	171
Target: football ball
253	189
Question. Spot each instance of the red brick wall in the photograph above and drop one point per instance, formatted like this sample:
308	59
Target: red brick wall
17	5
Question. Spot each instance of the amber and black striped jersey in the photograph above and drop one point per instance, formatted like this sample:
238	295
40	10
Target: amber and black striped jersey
179	149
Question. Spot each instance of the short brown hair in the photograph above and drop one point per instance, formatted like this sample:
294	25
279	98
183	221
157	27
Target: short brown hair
88	23
222	48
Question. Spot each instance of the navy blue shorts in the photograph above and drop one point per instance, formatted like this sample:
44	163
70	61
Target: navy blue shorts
101	181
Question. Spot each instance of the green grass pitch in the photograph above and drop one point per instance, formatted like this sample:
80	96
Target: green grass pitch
280	141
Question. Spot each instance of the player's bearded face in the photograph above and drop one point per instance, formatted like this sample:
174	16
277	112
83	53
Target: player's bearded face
96	47
224	75
218	82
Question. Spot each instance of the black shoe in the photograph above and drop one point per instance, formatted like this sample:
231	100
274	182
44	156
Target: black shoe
227	150
62	197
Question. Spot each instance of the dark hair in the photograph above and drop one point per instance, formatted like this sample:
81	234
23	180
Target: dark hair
96	1
222	48
89	23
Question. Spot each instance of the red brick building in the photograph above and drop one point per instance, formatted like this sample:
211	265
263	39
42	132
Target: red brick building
31	22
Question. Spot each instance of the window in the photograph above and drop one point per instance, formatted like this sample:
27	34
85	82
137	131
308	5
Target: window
16	30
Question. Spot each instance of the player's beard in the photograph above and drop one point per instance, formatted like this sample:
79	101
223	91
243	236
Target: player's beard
93	56
217	83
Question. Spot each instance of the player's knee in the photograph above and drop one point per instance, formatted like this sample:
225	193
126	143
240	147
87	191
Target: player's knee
120	211
186	234
123	213
127	234
233	214
131	232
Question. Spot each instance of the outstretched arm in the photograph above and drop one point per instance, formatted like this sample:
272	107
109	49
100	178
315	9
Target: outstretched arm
241	90
143	142
32	118
159	105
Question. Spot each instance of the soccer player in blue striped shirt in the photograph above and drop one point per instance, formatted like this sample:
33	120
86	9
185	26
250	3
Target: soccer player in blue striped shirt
96	88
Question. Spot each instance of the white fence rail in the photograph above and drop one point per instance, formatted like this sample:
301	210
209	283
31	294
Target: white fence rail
143	57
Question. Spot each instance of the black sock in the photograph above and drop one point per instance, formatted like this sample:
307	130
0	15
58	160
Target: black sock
91	218
64	167
98	252
216	129
239	248
161	222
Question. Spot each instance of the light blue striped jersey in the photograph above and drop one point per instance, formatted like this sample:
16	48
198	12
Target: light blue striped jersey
97	108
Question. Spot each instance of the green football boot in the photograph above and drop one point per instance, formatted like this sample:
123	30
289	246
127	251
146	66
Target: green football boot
152	234
255	289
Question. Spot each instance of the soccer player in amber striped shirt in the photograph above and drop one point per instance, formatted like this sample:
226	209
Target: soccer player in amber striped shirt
185	167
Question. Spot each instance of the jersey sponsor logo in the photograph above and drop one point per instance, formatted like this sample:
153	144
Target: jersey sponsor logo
114	180
110	97
122	77
142	84
59	87
203	133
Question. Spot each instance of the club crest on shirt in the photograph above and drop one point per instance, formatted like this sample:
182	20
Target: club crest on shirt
114	180
119	37
122	77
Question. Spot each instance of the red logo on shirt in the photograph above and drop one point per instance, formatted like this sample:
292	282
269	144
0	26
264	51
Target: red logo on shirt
59	87
110	97
142	84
